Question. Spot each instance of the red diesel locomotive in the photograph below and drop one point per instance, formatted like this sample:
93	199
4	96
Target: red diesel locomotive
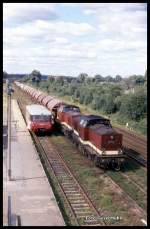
94	136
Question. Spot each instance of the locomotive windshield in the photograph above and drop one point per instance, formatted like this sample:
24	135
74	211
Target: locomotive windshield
87	123
40	118
70	108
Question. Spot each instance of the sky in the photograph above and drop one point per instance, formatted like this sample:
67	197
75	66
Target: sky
73	38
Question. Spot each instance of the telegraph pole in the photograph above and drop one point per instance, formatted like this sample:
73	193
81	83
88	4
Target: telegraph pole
9	92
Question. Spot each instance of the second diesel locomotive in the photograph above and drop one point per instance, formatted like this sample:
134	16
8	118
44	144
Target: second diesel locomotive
93	134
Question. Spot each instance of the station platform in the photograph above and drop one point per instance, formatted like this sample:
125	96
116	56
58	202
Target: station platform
31	195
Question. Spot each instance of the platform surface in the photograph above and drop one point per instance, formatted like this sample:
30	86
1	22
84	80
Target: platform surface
31	195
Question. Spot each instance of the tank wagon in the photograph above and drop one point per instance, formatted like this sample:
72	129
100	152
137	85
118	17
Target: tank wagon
93	135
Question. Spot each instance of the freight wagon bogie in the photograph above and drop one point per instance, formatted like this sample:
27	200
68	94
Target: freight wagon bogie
99	160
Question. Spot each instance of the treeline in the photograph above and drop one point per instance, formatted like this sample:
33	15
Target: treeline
123	99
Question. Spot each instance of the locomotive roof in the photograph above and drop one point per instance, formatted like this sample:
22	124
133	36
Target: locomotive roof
70	105
93	117
102	129
36	109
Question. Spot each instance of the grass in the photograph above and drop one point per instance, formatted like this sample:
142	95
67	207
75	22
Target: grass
136	172
130	189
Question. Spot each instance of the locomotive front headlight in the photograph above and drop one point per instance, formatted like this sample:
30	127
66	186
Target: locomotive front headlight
120	151
111	137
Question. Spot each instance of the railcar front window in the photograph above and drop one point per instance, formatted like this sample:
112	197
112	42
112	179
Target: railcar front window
40	118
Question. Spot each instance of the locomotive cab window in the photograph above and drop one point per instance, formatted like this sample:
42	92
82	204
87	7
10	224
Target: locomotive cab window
76	109
66	109
71	108
81	122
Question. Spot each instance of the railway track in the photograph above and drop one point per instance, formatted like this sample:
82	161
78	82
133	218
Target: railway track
82	209
135	143
136	157
139	186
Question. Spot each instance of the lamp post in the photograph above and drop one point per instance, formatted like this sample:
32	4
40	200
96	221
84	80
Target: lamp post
9	92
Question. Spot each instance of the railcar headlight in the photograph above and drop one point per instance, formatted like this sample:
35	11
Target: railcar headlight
111	137
103	152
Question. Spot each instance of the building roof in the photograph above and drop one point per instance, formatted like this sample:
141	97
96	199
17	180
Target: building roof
35	109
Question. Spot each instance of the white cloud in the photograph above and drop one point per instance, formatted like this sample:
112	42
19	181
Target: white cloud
46	31
112	41
24	12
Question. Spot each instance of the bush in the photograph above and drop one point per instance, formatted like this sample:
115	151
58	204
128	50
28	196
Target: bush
134	106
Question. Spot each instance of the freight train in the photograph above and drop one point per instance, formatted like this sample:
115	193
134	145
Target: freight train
92	134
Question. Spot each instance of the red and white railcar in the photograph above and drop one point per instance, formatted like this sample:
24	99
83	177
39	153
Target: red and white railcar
39	118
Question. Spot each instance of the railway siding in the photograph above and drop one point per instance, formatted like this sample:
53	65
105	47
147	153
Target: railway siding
134	142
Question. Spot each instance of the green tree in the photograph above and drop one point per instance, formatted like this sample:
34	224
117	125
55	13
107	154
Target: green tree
77	93
109	79
139	80
60	80
51	79
134	106
98	78
109	106
82	77
88	97
117	102
118	78
35	76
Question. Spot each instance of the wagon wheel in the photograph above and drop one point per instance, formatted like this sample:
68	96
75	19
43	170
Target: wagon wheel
79	147
96	162
73	141
82	150
117	167
92	157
